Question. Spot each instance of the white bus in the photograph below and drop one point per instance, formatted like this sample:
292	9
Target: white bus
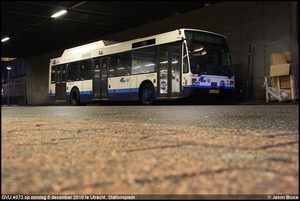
177	64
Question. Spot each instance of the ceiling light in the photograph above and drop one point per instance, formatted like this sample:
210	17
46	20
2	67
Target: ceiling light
7	59
59	13
5	39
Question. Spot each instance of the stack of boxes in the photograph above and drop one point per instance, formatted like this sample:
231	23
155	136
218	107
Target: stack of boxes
283	76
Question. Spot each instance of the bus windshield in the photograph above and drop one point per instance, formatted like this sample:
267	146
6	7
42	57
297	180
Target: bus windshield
209	54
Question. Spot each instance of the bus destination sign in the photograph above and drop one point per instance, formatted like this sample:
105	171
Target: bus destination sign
203	37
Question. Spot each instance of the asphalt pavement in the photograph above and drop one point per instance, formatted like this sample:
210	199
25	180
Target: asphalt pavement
92	158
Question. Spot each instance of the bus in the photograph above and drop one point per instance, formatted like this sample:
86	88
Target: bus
173	65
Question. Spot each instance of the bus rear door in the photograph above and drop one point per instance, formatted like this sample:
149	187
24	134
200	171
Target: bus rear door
60	83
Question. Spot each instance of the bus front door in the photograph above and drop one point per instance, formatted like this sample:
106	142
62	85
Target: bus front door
100	79
169	71
60	83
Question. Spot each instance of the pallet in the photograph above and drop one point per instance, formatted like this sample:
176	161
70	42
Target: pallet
282	84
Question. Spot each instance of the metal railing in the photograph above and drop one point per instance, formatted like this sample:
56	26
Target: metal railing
14	93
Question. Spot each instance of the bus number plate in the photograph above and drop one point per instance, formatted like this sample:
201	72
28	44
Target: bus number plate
214	91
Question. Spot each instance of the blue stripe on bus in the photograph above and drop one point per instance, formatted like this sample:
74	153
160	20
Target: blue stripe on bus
84	93
123	94
119	91
85	96
52	97
127	90
206	87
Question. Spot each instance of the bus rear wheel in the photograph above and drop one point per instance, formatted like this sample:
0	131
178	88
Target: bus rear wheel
147	94
75	97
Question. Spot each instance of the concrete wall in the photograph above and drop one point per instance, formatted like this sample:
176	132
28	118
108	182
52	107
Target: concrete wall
258	27
38	80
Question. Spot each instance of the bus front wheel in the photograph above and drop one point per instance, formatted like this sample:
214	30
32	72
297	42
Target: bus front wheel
147	94
75	97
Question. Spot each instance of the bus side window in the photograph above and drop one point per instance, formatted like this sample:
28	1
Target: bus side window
72	71
85	70
112	66
126	68
119	64
82	72
143	61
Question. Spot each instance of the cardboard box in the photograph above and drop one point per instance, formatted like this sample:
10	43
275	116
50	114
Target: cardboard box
279	58
280	69
285	81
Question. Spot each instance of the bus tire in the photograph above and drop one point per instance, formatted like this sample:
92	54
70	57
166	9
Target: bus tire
75	97
147	94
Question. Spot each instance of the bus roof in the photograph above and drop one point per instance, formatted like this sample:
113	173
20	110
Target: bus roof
106	47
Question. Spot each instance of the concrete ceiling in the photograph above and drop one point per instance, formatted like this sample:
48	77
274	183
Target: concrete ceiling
33	32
